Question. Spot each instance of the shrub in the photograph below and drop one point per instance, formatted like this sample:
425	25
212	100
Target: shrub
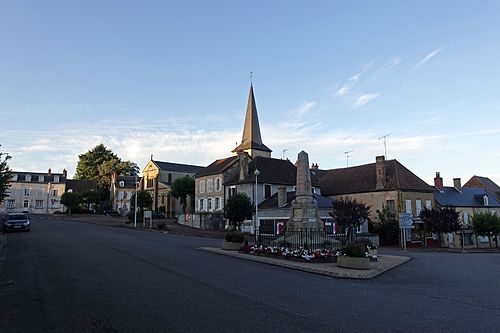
234	237
354	250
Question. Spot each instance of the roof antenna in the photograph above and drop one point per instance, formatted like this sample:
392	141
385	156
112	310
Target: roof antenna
385	143
347	156
284	151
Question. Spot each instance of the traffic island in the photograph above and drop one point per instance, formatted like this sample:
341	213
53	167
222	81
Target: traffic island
384	263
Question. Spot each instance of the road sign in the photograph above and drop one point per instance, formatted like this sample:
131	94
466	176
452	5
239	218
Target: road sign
148	214
405	220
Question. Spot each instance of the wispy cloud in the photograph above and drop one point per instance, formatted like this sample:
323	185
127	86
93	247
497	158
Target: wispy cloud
428	57
347	87
387	67
365	99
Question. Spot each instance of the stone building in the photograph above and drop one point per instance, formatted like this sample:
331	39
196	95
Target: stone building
35	192
121	190
157	179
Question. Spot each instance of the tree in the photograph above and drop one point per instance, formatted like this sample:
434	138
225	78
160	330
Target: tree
71	200
440	220
144	200
387	226
181	188
238	208
4	175
486	224
349	215
100	163
91	198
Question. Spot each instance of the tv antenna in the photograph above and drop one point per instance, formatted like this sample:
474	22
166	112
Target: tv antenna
347	156
284	151
385	143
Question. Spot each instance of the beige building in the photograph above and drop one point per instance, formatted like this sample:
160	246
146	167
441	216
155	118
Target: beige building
121	190
157	179
383	183
35	192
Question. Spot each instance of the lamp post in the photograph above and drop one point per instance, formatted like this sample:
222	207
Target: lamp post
135	207
256	173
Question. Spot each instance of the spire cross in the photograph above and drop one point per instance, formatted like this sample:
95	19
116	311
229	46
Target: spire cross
251	77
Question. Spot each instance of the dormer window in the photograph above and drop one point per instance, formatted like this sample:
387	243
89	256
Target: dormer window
56	179
121	183
27	178
14	177
485	200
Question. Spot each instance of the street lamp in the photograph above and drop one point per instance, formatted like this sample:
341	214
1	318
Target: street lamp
256	173
135	207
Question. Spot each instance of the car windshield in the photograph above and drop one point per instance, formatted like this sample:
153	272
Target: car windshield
17	217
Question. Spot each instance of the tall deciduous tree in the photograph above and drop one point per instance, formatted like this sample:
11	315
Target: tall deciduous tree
238	208
440	220
144	200
349	215
99	163
181	188
4	175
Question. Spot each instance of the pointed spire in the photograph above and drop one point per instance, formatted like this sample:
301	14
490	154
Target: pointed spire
251	139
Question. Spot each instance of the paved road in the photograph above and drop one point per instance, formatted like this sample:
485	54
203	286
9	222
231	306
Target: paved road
77	277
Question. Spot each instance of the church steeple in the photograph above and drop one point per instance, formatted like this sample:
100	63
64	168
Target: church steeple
251	141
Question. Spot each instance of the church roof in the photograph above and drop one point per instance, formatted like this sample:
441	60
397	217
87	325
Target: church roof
175	167
251	138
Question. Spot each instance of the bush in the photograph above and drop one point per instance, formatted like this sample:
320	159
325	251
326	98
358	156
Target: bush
234	237
354	250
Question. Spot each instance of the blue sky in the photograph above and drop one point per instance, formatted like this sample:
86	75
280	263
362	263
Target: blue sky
172	79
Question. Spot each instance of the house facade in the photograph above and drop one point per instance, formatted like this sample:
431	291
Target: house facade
35	192
121	190
157	180
385	183
467	201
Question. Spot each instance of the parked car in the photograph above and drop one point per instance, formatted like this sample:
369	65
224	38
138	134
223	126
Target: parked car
16	221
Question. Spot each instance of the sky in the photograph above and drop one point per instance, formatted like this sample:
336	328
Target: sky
172	79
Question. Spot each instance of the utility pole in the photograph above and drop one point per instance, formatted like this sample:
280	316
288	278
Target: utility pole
347	156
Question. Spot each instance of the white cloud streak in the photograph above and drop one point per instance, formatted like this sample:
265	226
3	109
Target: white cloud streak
365	99
428	57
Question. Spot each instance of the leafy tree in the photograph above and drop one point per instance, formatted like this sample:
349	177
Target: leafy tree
144	200
181	188
99	163
349	215
4	175
91	197
387	226
486	224
71	200
440	220
238	208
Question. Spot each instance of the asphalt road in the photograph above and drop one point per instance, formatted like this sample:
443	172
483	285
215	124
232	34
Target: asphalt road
77	277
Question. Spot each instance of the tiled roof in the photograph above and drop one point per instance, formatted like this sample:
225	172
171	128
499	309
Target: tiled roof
363	178
218	166
81	185
272	171
486	183
272	202
467	197
175	167
129	181
21	177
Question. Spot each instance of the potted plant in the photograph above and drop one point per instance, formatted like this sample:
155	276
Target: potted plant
233	240
354	256
370	248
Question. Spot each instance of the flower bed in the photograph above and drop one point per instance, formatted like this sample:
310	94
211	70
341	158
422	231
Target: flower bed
320	255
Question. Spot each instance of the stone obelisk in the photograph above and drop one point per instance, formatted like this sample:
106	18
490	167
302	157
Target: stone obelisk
304	208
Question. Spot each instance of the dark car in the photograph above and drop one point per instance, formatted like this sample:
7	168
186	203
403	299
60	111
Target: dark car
17	221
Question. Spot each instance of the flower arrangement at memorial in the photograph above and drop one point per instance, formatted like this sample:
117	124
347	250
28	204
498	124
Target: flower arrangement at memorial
287	253
361	248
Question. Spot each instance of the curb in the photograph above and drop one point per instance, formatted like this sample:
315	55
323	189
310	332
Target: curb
3	241
327	269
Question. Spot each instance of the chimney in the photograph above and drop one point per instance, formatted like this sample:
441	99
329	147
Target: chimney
314	166
381	172
457	184
243	161
438	182
49	172
65	173
282	199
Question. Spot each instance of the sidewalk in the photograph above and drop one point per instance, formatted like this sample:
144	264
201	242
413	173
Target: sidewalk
172	227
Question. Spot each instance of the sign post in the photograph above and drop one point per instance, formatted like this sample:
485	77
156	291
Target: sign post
148	215
405	222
